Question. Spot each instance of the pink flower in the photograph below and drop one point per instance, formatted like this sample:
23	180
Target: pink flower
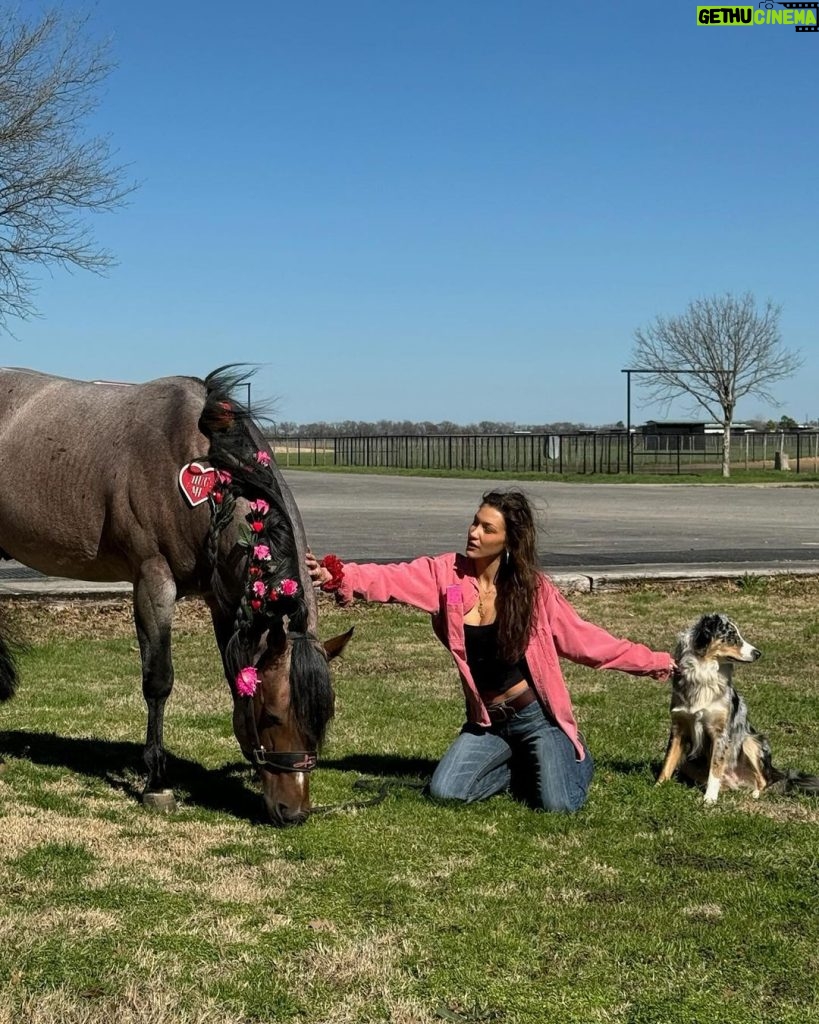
224	476
262	552
257	526
259	588
260	506
246	681
263	458
289	587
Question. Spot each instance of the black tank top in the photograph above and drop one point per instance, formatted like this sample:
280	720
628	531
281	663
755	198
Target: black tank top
491	673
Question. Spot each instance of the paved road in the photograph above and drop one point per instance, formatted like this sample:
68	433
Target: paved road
600	530
584	526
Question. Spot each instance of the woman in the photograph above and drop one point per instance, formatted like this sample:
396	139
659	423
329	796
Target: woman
505	625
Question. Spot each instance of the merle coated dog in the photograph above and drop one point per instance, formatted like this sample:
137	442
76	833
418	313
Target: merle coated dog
711	739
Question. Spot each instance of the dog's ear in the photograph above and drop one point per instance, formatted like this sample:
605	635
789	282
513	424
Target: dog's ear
704	631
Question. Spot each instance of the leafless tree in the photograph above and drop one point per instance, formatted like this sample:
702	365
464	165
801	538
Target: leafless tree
721	349
52	171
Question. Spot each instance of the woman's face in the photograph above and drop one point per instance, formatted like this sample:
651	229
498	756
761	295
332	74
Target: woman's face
486	537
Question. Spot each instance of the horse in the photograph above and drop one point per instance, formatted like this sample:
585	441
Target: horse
171	486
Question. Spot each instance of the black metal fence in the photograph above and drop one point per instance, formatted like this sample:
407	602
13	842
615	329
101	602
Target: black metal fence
584	453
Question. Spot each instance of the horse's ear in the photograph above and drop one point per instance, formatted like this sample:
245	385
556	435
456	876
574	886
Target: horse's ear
336	644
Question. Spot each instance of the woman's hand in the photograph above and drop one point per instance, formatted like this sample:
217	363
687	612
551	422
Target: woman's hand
318	574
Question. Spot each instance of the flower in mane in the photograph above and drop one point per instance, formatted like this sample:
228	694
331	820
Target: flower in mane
247	680
263	458
261	552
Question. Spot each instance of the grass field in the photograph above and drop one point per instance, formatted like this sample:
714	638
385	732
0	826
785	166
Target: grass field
738	476
644	908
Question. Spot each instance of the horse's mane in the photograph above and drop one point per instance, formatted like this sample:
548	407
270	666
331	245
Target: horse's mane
235	446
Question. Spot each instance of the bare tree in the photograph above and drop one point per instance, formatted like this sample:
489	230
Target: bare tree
51	170
721	349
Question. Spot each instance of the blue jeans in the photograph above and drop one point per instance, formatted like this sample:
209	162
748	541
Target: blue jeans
527	754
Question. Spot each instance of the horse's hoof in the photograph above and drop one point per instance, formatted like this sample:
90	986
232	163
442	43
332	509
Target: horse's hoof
161	800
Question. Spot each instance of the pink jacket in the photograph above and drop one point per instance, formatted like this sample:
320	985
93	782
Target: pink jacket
446	587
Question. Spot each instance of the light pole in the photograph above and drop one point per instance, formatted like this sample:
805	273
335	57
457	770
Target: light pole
628	373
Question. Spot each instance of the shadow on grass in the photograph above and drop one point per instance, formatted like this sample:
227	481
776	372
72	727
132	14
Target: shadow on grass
120	765
382	765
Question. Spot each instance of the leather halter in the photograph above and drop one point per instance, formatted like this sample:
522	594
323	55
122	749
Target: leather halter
276	760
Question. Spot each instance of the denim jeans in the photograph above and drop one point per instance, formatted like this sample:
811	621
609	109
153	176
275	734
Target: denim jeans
527	754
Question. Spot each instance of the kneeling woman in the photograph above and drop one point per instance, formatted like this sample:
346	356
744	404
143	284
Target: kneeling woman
505	625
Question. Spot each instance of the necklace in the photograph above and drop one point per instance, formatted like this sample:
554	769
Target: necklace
491	590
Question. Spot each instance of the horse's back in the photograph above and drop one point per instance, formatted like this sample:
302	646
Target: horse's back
88	473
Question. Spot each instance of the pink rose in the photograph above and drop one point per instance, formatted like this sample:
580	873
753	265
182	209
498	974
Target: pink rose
289	587
246	681
263	458
260	506
262	552
259	588
224	476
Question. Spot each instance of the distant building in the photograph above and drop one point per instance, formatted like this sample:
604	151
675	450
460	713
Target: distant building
688	435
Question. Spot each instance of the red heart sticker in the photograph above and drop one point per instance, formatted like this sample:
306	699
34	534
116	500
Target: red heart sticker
196	482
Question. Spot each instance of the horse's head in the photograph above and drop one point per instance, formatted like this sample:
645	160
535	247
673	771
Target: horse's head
280	728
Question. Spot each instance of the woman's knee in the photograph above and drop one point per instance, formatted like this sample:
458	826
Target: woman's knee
443	789
560	803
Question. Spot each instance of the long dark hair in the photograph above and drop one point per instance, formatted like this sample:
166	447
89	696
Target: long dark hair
518	577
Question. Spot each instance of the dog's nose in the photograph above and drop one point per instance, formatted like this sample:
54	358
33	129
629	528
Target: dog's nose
755	654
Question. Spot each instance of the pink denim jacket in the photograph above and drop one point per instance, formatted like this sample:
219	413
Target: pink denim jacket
446	587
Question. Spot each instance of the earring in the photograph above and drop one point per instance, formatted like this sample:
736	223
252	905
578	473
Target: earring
507	556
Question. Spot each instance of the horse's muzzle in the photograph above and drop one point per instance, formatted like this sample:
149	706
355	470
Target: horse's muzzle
283	816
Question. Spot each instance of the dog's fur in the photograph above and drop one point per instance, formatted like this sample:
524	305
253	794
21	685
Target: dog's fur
711	739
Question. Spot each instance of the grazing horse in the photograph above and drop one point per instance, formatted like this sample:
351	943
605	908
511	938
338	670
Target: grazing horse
171	486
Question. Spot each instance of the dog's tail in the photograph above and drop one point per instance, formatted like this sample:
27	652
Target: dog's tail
789	782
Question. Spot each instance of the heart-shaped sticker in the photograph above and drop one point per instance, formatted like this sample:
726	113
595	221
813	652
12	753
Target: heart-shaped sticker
196	482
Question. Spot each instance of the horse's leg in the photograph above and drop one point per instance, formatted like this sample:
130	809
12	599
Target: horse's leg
154	598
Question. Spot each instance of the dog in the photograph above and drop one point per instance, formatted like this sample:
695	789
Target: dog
711	739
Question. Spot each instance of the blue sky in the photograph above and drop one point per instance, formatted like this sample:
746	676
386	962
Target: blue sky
430	211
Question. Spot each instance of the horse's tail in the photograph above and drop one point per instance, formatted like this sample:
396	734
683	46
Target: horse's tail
8	669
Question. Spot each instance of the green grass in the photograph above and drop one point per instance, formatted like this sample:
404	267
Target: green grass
714	476
644	908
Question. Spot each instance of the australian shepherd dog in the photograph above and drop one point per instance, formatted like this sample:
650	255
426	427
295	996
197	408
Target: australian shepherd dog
711	740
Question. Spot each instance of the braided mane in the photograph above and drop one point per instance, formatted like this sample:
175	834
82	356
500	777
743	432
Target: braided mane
245	470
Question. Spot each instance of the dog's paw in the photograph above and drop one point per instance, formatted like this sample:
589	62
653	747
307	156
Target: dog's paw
755	794
710	799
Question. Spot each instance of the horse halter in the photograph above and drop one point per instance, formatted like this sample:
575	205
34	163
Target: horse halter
276	760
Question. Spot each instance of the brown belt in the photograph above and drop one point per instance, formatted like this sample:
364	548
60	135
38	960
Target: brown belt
503	710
